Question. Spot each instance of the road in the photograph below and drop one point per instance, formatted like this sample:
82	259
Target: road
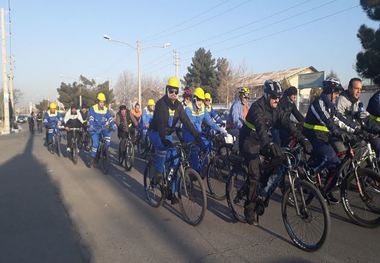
54	211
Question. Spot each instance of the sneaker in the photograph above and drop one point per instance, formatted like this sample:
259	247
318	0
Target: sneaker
331	199
250	214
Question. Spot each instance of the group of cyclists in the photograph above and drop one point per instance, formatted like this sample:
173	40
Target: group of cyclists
260	129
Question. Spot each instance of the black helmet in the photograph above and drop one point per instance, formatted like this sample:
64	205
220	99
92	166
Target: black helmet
122	107
272	89
290	91
331	85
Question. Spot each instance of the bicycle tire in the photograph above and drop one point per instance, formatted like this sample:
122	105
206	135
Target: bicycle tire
365	206
104	160
129	156
74	153
235	183
57	146
152	190
216	181
306	215
192	192
121	153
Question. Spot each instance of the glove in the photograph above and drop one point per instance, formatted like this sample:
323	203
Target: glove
275	151
167	143
307	145
223	131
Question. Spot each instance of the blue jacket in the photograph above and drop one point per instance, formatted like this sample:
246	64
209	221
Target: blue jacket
197	117
147	117
213	114
98	118
51	120
323	118
236	114
374	105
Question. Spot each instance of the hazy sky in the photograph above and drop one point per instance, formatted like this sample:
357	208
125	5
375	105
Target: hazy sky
56	41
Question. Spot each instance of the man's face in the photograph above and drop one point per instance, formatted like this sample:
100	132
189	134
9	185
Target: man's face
293	98
334	96
151	108
207	102
273	102
356	89
101	104
172	94
74	110
84	109
123	112
137	108
52	111
244	98
198	102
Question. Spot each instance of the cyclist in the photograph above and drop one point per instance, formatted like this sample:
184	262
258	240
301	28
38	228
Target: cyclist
136	111
31	119
124	120
73	119
197	113
146	118
210	109
187	95
39	120
255	136
52	119
167	112
373	109
288	106
100	121
324	124
238	112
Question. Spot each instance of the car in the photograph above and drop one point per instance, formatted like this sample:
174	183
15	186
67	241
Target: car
22	119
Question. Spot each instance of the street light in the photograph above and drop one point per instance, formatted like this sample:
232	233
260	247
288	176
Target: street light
138	49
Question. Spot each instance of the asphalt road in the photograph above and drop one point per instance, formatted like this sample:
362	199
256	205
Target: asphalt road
54	211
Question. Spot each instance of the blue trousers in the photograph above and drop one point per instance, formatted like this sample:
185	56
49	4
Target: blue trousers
324	154
95	140
194	153
50	132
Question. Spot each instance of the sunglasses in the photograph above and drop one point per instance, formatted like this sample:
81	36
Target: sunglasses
173	90
198	99
207	100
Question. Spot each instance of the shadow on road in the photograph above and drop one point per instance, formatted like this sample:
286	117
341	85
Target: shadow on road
34	224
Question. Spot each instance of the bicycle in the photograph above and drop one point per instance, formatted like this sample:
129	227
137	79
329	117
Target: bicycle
313	215
359	185
126	151
74	149
144	146
102	154
55	146
178	178
39	125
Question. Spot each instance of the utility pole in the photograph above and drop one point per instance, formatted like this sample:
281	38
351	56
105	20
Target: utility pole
11	64
6	129
138	49
176	63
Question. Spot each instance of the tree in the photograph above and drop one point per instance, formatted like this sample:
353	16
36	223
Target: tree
332	74
224	76
43	105
202	72
368	60
17	96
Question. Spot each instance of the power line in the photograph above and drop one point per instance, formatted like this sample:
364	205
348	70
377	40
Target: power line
246	25
203	21
187	20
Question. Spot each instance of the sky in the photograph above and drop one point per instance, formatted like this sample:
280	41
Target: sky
56	41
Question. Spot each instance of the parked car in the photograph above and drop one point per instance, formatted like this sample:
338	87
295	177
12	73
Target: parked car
22	119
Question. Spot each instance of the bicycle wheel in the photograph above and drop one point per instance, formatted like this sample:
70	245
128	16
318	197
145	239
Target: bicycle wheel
58	147
192	196
74	153
154	193
363	209
310	225
217	175
104	160
236	193
129	155
121	153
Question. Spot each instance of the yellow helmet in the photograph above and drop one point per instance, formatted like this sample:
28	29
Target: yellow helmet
151	102
101	96
173	82
244	90
199	93
52	106
207	96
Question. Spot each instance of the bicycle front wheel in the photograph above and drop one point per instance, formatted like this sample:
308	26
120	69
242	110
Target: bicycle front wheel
154	193
236	192
307	223
217	175
129	155
74	153
192	196
361	198
104	160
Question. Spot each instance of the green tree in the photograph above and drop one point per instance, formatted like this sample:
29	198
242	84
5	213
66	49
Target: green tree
202	72
43	105
368	60
224	76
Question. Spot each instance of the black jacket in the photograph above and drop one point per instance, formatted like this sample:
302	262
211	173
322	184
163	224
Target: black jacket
264	118
289	108
160	121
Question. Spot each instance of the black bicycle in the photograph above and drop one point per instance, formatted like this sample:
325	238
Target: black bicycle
55	146
74	149
306	219
178	178
102	155
126	152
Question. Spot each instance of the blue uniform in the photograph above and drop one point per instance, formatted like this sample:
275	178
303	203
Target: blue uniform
197	117
51	121
147	117
97	124
214	114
